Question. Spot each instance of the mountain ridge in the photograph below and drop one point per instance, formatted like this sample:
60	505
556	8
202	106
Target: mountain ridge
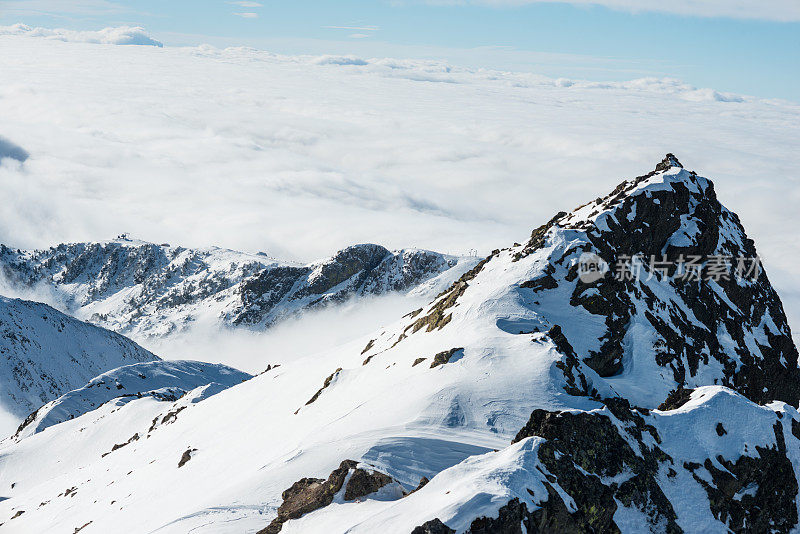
526	393
147	290
46	353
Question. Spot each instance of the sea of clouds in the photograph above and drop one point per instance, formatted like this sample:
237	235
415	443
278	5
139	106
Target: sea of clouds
299	156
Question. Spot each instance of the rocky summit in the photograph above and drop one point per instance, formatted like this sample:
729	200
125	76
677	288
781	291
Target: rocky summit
628	368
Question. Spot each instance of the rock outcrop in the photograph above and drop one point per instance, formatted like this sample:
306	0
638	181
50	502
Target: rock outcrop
310	494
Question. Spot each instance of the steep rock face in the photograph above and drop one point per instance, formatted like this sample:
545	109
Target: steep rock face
734	321
356	270
679	298
144	289
624	456
44	354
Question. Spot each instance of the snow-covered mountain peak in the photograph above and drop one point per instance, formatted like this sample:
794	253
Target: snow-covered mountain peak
668	174
651	287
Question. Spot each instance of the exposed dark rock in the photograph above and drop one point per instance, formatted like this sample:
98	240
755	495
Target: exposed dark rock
168	278
584	448
363	483
645	225
370	344
324	385
754	494
413	314
28	420
309	494
168	418
740	328
669	161
117	446
186	456
543	282
438	317
510	519
537	239
357	270
676	398
422	483
577	384
444	357
418	361
434	526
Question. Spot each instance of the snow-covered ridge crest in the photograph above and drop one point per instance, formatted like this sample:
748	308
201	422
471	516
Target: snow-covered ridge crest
148	290
637	336
120	35
162	380
44	354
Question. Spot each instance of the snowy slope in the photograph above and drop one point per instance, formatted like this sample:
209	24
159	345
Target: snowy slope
143	289
44	354
717	462
162	380
505	348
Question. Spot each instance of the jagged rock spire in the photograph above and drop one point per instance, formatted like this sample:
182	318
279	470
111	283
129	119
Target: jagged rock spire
668	162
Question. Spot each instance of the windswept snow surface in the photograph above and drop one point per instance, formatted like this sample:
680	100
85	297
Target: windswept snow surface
301	156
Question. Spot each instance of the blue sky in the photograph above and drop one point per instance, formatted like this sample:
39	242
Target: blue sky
743	46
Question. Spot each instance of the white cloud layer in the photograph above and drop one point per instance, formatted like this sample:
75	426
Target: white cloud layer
778	10
301	156
121	35
247	15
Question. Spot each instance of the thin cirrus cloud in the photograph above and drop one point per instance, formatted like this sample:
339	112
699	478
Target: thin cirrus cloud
359	28
246	4
361	32
774	10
